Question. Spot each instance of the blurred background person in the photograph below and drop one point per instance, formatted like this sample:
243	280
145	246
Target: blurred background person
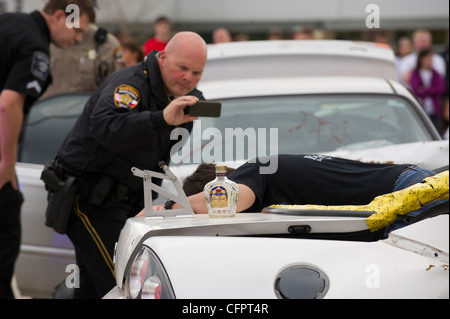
221	35
402	49
445	57
84	65
428	86
302	33
444	119
162	34
131	52
241	36
421	40
275	34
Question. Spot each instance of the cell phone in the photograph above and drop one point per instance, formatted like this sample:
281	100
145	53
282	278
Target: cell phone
206	109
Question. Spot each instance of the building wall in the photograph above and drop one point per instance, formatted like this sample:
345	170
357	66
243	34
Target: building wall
328	18
330	14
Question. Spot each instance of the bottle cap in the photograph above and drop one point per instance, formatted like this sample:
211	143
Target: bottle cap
220	168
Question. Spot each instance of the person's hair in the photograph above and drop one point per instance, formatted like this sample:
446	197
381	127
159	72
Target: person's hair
420	56
133	46
421	31
86	7
204	173
399	44
162	19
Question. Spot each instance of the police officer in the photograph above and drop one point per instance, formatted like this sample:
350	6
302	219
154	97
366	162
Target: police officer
97	56
24	76
90	61
126	123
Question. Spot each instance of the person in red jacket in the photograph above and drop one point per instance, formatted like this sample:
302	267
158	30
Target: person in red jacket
162	35
428	86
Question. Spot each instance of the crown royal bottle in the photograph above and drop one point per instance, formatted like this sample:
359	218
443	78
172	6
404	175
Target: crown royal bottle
221	194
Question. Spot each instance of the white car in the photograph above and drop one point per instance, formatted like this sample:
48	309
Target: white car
333	97
253	256
351	108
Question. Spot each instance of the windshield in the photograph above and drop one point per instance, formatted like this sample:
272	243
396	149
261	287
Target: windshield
259	126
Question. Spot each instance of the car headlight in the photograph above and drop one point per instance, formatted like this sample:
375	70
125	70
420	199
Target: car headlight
147	278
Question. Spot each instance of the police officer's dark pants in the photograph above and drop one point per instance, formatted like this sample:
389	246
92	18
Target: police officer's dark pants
94	231
10	233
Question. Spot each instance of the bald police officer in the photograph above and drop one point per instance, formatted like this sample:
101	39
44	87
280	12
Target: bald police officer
126	123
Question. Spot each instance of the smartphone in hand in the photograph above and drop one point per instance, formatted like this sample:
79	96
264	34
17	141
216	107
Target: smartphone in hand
206	109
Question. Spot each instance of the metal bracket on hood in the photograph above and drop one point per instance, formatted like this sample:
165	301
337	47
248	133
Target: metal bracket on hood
149	186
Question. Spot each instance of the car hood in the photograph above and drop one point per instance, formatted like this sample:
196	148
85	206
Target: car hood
139	229
197	240
248	267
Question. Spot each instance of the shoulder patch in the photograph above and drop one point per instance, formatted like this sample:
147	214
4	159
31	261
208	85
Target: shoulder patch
118	55
40	65
126	96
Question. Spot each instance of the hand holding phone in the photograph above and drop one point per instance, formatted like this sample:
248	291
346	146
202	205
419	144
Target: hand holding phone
176	112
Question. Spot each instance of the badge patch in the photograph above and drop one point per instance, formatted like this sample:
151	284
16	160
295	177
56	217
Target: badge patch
118	55
40	65
126	96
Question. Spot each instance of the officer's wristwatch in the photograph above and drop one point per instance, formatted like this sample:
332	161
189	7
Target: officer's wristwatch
168	204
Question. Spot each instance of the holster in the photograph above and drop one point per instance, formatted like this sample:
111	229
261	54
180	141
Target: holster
62	195
105	188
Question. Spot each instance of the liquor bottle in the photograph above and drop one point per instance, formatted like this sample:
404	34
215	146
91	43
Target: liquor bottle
221	194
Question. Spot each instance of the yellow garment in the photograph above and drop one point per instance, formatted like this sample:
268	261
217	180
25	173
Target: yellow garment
387	207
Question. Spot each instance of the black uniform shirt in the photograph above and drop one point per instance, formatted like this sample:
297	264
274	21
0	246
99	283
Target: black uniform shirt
24	54
122	126
317	179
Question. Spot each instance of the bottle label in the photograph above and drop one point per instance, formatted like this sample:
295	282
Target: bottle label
218	196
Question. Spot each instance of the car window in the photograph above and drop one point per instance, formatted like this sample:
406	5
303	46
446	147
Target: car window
47	124
303	124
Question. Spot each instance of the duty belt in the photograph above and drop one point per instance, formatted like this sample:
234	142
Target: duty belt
97	188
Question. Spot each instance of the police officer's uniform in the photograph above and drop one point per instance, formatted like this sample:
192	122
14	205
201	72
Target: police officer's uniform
24	68
89	62
24	54
122	126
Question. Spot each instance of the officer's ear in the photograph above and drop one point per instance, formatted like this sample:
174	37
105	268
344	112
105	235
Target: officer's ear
161	58
59	17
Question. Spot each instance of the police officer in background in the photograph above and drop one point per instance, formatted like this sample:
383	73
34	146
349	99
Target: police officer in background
90	61
24	76
126	123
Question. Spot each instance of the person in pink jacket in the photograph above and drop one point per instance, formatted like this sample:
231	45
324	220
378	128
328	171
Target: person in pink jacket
428	86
